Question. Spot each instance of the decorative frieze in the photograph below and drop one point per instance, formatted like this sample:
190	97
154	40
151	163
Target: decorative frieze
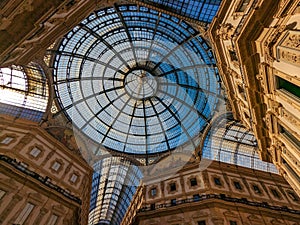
292	40
288	49
225	31
291	118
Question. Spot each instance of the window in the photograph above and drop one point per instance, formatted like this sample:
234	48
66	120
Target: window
24	214
243	5
289	136
289	87
35	152
56	166
173	201
237	185
193	182
2	193
173	187
7	140
53	219
23	88
73	178
232	222
153	192
217	181
256	189
202	222
275	193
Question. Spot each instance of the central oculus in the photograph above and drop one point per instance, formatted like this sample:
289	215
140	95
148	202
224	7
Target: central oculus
140	84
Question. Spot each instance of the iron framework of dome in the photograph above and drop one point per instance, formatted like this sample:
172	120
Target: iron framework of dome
23	91
136	80
198	11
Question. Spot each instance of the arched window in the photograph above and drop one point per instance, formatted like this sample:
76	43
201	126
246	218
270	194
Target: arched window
23	91
230	142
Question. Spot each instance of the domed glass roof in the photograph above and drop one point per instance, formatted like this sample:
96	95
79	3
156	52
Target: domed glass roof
136	80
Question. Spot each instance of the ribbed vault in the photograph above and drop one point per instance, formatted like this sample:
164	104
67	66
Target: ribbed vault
136	80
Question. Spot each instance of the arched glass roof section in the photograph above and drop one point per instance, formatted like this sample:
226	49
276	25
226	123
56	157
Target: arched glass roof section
230	142
199	10
115	181
23	92
135	80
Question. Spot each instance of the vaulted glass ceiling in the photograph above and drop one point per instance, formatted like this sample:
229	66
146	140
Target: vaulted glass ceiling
136	80
229	141
23	91
114	183
198	10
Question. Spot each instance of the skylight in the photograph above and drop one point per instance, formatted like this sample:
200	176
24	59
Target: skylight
135	80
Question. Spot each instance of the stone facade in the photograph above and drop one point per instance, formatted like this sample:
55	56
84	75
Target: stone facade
257	50
41	180
220	194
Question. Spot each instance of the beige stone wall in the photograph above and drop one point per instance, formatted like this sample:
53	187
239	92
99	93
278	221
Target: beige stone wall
256	45
36	151
18	191
279	48
236	184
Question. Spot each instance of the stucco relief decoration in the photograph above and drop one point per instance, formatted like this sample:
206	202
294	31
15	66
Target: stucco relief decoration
234	74
289	48
291	118
225	31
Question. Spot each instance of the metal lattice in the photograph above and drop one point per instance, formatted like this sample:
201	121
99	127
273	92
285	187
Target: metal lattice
135	80
23	91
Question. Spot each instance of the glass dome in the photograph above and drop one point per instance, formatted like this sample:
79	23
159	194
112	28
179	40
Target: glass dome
136	80
198	10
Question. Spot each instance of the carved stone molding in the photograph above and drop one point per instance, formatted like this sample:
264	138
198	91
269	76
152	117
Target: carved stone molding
229	213
25	140
276	222
15	199
292	40
234	74
270	42
42	213
217	221
290	57
199	215
175	219
291	118
288	49
22	7
225	31
47	158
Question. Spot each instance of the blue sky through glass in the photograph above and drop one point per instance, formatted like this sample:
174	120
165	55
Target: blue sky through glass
136	81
